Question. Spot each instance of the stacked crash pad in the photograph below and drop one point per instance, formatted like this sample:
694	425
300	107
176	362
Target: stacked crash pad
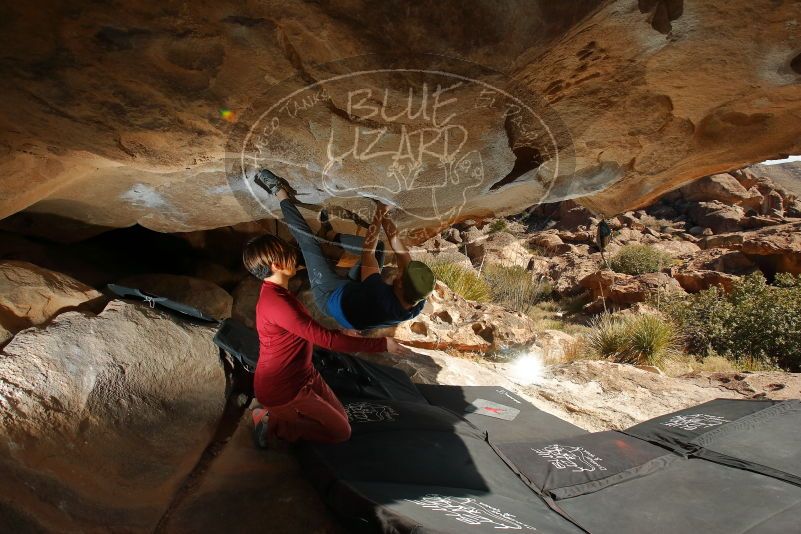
435	461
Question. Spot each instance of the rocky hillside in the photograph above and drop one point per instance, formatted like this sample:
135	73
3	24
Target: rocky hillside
710	232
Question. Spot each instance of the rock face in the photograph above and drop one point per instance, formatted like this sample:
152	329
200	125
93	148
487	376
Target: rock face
247	488
246	295
778	247
714	267
617	289
499	248
600	395
117	114
449	322
724	188
31	295
103	417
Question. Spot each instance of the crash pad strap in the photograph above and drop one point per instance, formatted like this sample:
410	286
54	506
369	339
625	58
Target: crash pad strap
240	342
162	302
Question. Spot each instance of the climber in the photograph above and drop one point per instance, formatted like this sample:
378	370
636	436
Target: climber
297	403
361	301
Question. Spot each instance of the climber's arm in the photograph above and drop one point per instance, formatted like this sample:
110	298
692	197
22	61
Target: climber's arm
369	262
402	256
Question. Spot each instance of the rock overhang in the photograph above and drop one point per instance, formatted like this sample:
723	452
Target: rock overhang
126	116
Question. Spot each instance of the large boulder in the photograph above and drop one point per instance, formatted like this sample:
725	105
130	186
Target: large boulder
204	295
717	216
547	243
573	215
439	250
31	295
449	322
776	249
567	271
614	290
5	335
554	345
246	295
712	267
247	489
103	418
724	188
499	248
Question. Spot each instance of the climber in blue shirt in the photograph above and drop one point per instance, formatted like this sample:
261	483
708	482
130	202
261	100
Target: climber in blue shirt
362	300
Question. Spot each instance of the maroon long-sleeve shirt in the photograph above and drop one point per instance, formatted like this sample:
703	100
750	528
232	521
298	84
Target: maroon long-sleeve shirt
287	334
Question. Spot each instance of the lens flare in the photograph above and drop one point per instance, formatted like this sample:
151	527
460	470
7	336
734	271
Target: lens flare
228	115
527	368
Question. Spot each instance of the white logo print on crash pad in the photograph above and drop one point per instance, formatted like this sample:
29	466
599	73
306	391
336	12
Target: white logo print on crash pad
695	421
577	458
369	412
471	512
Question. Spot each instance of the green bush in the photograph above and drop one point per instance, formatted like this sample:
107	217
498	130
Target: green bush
498	225
637	339
639	259
756	321
461	280
514	287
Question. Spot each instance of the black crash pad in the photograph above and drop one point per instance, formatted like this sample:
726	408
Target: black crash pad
349	376
690	496
676	431
530	423
565	468
767	442
240	342
412	467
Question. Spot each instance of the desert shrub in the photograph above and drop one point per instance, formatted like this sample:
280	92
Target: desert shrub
638	339
655	223
498	225
514	287
639	259
461	280
756	322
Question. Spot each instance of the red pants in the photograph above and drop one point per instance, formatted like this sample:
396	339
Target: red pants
315	414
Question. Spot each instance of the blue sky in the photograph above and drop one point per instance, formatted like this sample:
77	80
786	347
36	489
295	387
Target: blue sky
777	161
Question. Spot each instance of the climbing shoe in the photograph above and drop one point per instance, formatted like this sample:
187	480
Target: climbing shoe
270	182
325	223
260	421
